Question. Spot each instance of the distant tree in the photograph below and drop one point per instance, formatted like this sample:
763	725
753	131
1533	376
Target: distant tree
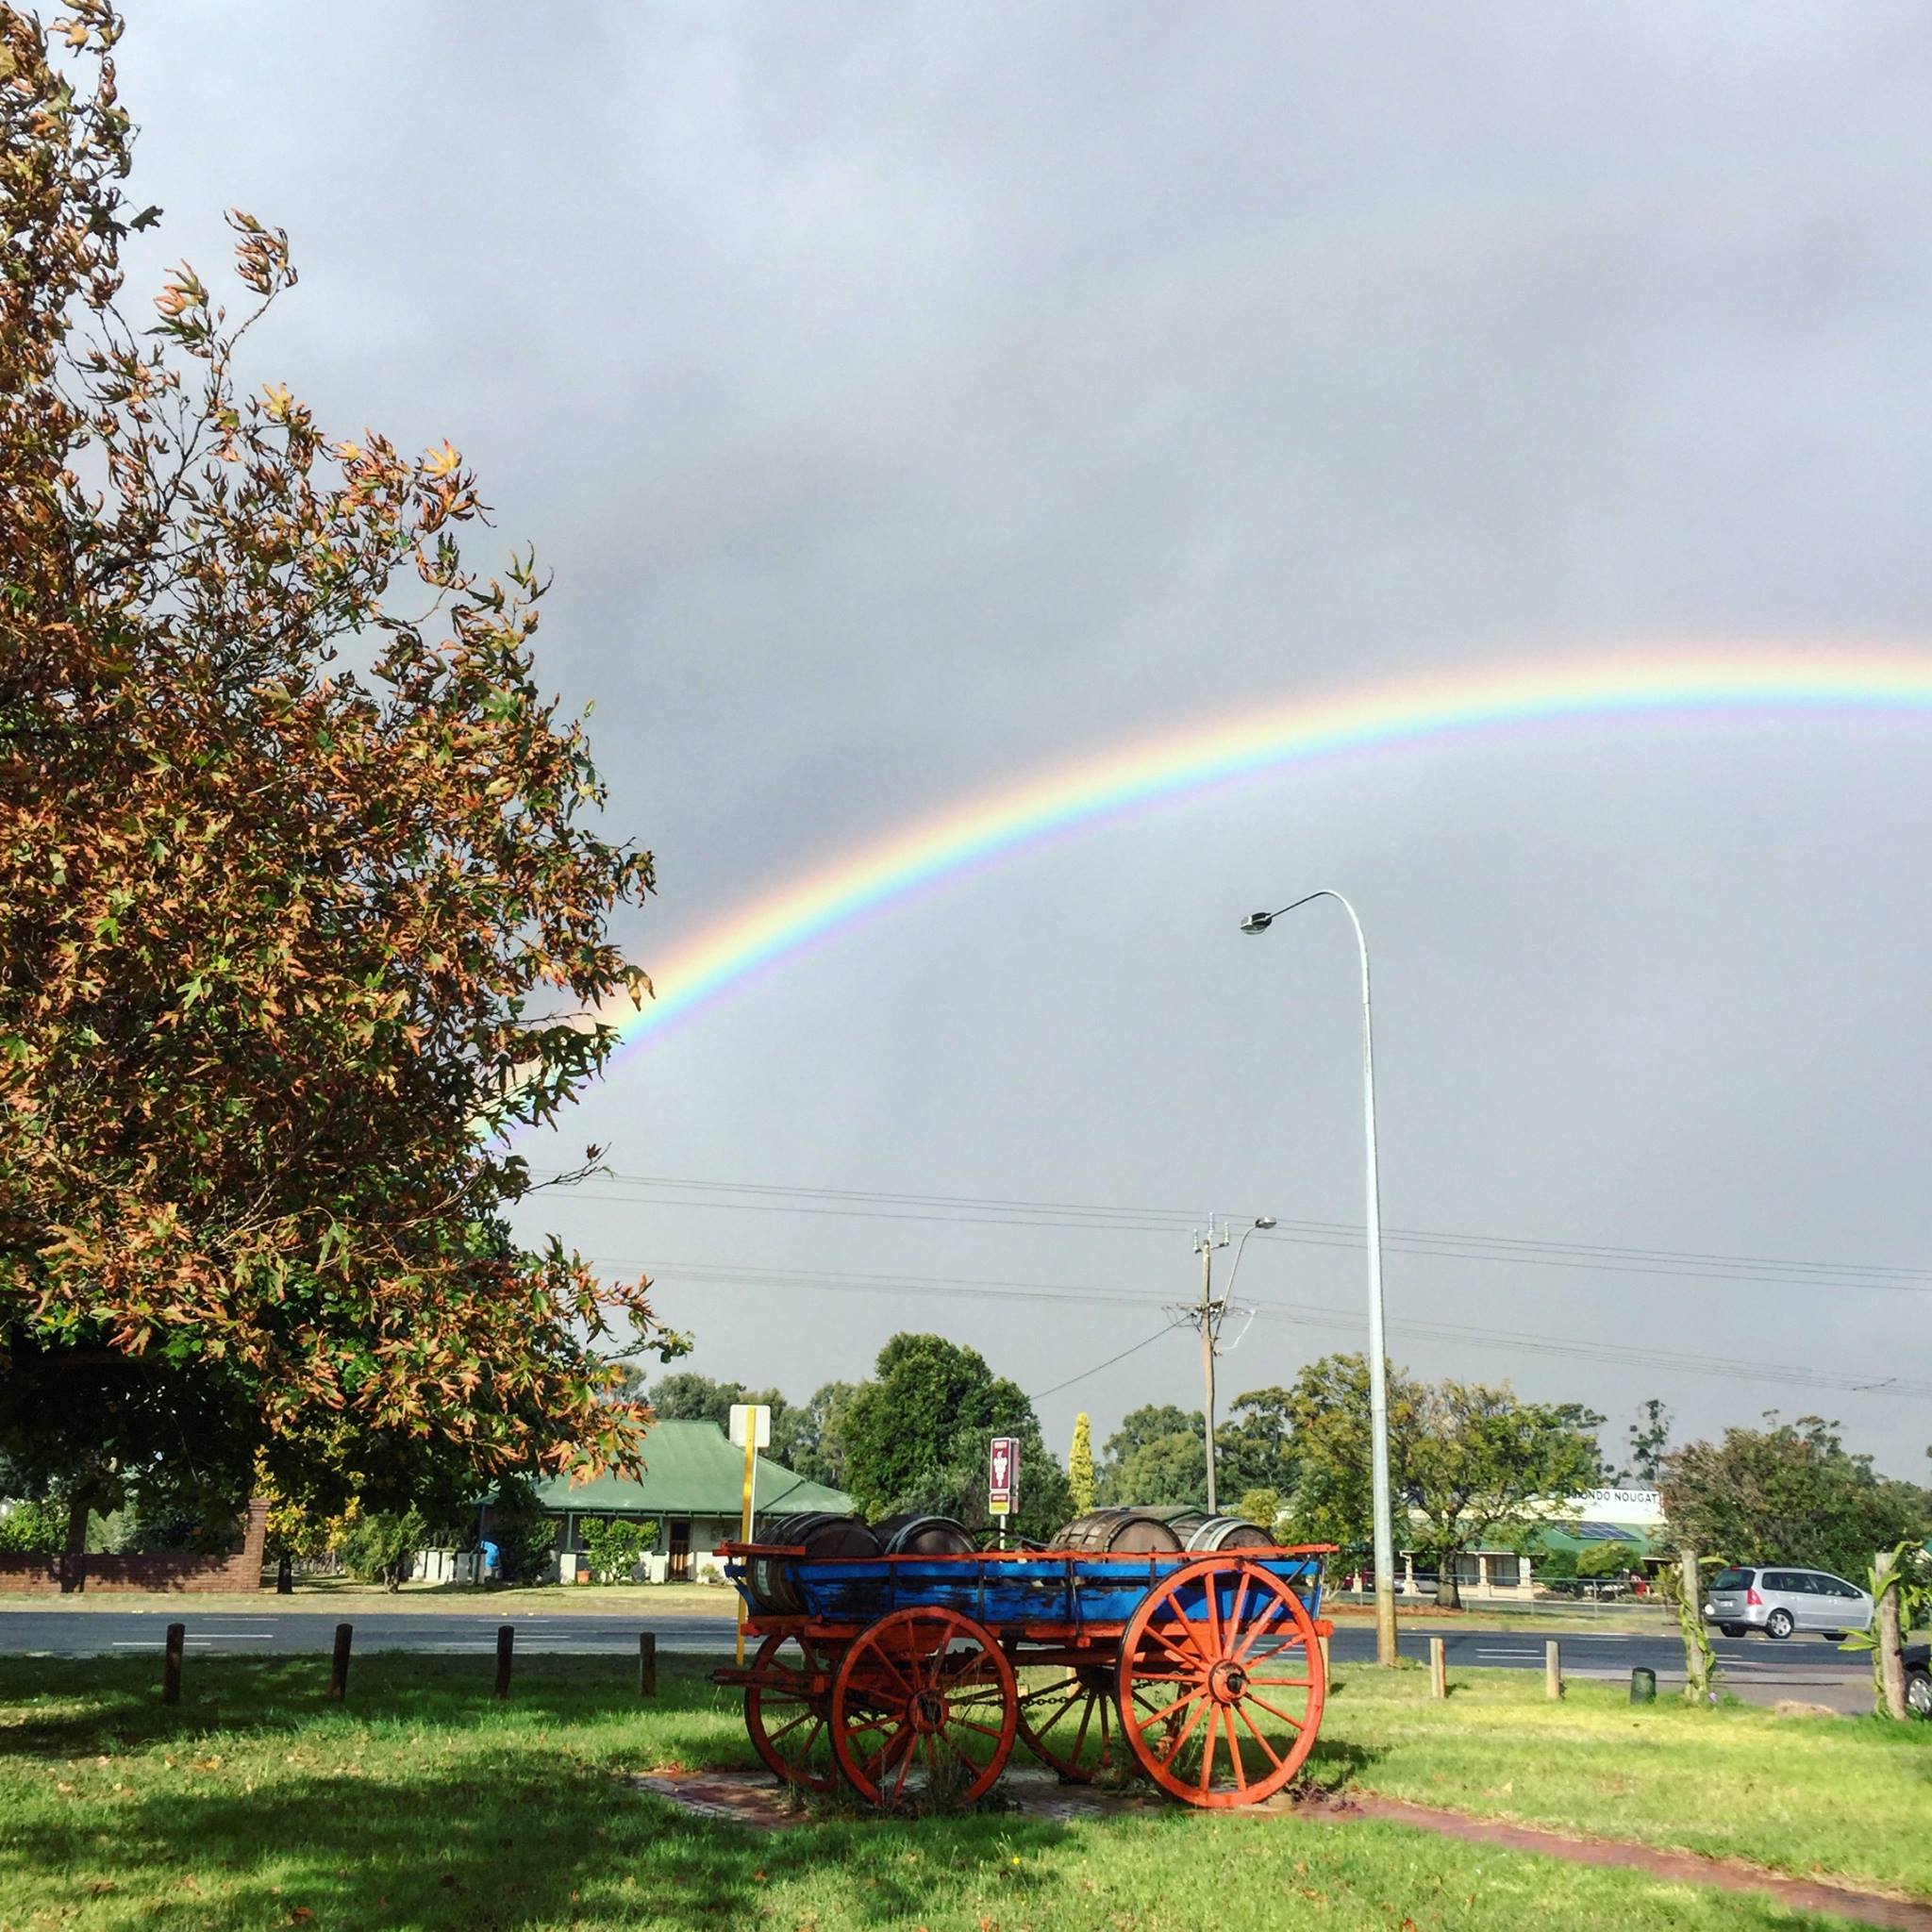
1261	1506
1649	1441
1080	1466
1328	1415
684	1397
1255	1448
916	1437
1479	1458
303	903
1165	1472
810	1440
1157	1422
1790	1492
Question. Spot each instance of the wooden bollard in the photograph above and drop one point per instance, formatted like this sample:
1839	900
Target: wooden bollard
1552	1669
339	1663
1439	1668
506	1640
1326	1679
171	1663
647	1663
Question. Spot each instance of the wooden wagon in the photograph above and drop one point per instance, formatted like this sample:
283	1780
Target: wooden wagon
909	1679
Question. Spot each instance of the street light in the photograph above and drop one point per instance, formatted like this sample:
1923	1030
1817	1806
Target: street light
1256	924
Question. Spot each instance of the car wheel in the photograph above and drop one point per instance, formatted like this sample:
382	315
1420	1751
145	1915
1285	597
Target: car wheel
1919	1693
1779	1624
1734	1629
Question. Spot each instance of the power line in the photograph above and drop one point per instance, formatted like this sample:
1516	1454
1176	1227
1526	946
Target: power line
1512	1250
1662	1361
1159	1335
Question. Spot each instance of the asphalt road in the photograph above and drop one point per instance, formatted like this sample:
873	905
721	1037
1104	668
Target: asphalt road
1754	1669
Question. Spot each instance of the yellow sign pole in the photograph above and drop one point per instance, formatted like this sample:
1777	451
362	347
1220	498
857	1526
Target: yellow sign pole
751	1474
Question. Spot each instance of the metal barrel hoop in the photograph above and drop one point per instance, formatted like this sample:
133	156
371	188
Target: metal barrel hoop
1220	1682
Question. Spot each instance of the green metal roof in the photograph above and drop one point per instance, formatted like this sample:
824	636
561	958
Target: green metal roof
1593	1536
690	1468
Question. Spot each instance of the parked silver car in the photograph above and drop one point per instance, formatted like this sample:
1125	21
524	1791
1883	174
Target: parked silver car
1781	1601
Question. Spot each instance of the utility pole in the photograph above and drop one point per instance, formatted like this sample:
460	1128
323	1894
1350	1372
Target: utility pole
1208	1315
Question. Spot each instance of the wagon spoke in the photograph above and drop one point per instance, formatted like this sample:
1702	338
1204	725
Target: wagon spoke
1234	1749
1261	1623
1186	1732
1190	1656
905	1765
1274	1710
1291	1683
1234	1612
1086	1718
1207	1738
1214	1636
1173	1710
1040	1730
984	1730
1260	1736
785	1729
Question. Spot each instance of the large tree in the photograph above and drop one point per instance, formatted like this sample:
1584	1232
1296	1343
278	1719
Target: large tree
1790	1492
1147	1459
1255	1448
1480	1465
916	1437
302	904
1466	1464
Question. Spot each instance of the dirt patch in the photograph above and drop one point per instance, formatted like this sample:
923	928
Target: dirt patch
1725	1874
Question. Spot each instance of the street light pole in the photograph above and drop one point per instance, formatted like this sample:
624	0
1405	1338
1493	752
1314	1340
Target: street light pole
1258	922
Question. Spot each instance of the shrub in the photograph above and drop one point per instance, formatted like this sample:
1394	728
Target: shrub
523	1534
33	1529
614	1548
378	1548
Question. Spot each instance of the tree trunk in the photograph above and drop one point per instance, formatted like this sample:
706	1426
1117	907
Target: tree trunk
74	1561
285	1575
1448	1591
1891	1669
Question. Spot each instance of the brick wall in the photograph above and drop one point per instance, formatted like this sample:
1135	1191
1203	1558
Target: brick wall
240	1569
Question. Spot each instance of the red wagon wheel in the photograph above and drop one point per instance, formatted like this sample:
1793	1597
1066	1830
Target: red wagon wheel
788	1709
1058	1719
1221	1683
924	1710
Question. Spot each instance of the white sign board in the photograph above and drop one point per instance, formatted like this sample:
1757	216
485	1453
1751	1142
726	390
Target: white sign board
1001	1475
752	1420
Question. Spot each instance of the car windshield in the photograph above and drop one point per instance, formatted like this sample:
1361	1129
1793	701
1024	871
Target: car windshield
1731	1579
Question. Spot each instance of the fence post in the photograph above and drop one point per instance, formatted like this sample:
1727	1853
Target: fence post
339	1663
1326	1667
506	1638
1891	1669
647	1663
1699	1659
1553	1668
1439	1668
171	1663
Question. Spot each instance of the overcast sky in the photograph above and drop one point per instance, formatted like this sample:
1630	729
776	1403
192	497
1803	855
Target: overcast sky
910	399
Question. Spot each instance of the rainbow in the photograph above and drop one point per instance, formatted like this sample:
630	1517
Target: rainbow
1828	677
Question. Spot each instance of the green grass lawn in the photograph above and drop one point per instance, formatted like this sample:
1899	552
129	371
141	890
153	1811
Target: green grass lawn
421	1804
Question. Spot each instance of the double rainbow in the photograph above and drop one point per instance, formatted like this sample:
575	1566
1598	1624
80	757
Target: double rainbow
1736	680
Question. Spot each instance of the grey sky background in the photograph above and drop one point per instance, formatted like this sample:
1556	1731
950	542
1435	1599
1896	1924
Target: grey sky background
909	399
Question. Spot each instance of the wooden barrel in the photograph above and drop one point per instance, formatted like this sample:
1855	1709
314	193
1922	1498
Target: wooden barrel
914	1535
1228	1533
772	1585
1118	1530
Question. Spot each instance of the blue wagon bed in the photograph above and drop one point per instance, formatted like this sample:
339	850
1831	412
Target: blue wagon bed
909	1679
